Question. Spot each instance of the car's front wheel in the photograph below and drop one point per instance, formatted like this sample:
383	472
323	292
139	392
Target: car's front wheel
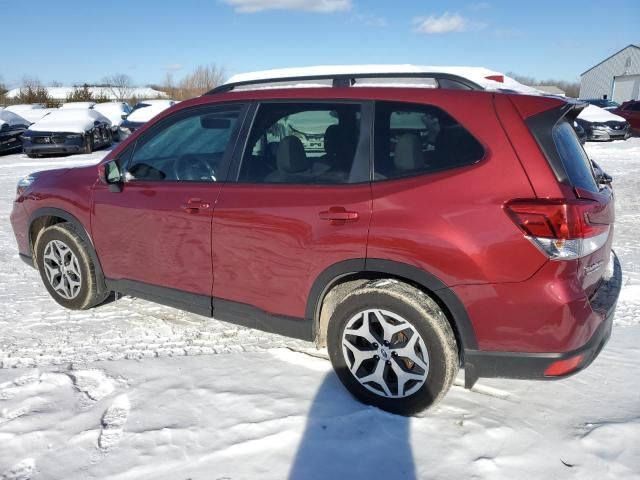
393	347
66	268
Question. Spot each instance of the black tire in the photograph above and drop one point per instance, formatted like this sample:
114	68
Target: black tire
32	155
88	143
425	316
89	294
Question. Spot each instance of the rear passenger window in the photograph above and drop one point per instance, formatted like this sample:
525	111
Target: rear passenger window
415	139
304	144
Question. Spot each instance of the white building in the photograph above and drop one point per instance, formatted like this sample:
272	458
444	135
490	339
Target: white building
113	93
617	77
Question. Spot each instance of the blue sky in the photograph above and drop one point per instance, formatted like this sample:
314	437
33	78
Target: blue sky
76	41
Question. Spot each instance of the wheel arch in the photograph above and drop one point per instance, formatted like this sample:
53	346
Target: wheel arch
360	270
45	217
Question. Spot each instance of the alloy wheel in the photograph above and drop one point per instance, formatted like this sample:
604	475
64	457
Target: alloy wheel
385	353
62	269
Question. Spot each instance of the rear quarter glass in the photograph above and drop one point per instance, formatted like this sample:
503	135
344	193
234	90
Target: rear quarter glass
573	157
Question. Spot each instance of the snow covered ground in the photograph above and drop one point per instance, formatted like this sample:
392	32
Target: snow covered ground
133	390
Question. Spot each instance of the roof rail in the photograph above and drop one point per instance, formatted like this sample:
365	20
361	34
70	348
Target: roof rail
443	80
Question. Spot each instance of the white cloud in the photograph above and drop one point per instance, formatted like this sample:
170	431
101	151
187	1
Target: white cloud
320	6
445	23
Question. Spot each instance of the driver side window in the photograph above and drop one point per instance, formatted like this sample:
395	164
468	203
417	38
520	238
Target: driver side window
189	146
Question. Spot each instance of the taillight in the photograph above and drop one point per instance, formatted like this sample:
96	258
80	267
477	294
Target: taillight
559	227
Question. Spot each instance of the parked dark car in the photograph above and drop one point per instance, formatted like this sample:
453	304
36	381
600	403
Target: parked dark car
582	135
601	125
631	112
390	241
12	126
67	131
602	103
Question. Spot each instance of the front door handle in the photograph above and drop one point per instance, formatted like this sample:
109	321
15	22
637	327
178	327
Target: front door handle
194	205
338	216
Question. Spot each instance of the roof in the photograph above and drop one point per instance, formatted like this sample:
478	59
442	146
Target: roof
377	75
610	56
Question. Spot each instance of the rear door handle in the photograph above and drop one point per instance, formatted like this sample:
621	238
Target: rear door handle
338	216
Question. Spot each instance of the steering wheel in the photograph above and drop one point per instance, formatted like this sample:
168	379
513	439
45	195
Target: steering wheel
193	167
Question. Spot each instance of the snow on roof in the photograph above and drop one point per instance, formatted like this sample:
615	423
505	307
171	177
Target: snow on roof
10	118
591	113
24	106
69	105
480	75
73	120
36	114
62	93
158	101
144	114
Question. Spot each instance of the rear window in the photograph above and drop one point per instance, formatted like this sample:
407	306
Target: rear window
415	139
574	158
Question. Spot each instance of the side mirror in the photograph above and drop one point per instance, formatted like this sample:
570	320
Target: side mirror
109	174
124	116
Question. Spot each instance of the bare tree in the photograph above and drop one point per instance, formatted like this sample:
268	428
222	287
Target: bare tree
169	86
120	86
32	91
3	91
572	89
199	81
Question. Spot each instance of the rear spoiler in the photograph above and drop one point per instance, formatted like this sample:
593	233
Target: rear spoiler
541	126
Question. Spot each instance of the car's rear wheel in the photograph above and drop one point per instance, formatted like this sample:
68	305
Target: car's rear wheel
393	347
66	268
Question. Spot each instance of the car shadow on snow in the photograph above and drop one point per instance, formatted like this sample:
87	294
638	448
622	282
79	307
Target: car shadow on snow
345	439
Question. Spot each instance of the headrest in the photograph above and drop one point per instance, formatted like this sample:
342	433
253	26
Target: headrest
408	153
291	156
332	140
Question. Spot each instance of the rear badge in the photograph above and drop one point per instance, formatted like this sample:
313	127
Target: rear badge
593	267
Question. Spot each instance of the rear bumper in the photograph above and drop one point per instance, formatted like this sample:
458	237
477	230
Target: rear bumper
492	364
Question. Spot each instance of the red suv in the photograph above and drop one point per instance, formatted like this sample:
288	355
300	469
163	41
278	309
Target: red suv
631	112
412	230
